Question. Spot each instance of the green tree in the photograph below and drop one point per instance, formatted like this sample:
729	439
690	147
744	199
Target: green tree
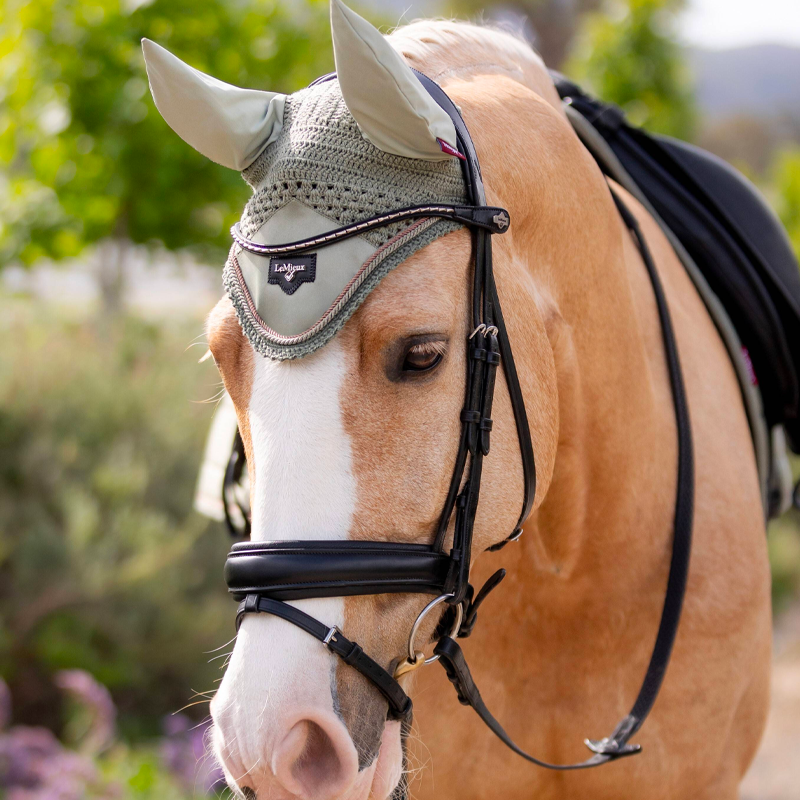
84	154
629	55
787	187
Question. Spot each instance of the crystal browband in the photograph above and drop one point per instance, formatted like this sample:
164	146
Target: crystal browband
492	218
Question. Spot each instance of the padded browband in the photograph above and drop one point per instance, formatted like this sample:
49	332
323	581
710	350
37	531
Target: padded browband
298	569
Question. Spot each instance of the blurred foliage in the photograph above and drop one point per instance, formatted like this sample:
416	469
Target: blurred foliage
751	143
84	154
744	141
629	55
786	179
550	24
784	557
138	773
103	564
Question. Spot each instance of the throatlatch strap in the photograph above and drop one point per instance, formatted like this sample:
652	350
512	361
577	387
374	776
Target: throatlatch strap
520	417
399	702
616	745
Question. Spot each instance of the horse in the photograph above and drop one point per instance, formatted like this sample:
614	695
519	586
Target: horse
358	438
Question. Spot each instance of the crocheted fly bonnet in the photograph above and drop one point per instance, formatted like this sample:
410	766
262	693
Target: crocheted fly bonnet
350	147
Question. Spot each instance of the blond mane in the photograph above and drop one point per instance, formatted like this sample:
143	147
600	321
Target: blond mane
444	49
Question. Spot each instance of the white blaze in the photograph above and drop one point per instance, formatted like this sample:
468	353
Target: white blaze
304	489
304	483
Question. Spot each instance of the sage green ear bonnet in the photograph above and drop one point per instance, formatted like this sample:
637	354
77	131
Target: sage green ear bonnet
319	175
340	151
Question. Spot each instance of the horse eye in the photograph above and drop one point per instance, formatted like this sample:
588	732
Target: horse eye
421	360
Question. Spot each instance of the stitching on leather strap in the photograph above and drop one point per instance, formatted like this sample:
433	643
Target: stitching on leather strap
338	583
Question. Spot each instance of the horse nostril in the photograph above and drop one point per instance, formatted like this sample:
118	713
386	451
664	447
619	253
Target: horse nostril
316	760
248	793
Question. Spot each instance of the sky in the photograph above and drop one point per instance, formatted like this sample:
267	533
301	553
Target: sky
730	23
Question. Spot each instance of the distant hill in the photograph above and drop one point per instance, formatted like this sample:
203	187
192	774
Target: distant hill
760	80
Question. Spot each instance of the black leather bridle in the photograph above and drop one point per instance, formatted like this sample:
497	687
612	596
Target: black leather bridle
265	575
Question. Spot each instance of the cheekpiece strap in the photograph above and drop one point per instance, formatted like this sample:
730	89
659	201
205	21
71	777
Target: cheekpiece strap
489	347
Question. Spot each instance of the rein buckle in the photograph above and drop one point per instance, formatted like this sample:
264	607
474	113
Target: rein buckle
612	748
330	636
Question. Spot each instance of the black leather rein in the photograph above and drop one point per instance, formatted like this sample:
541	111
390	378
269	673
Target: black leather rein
265	575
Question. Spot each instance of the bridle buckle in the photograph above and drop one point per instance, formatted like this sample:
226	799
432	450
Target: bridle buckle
330	636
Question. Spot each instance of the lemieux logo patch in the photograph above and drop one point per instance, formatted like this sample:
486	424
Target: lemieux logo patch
289	272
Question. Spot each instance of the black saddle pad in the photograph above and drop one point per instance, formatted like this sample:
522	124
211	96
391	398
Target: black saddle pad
733	236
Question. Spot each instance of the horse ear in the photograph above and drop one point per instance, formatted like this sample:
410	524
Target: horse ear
229	125
390	105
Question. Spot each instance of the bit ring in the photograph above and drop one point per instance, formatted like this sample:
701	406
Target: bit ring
422	614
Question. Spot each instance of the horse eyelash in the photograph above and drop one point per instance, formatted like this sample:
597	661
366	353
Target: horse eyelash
437	347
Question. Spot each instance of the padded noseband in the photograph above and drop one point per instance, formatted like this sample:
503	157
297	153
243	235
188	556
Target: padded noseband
294	570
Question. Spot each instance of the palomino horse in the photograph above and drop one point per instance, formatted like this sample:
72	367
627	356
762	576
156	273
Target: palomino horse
358	438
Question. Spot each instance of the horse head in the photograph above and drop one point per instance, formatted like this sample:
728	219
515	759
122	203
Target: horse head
344	341
351	436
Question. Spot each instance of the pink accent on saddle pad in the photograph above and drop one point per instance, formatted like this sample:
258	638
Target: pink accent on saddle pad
450	150
749	364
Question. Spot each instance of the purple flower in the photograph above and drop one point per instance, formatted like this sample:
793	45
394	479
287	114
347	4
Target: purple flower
97	700
35	766
23	753
186	756
5	705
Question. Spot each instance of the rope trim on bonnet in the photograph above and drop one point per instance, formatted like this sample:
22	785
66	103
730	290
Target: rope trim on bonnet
270	343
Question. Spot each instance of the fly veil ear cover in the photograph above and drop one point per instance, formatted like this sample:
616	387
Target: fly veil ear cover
391	107
229	125
365	143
